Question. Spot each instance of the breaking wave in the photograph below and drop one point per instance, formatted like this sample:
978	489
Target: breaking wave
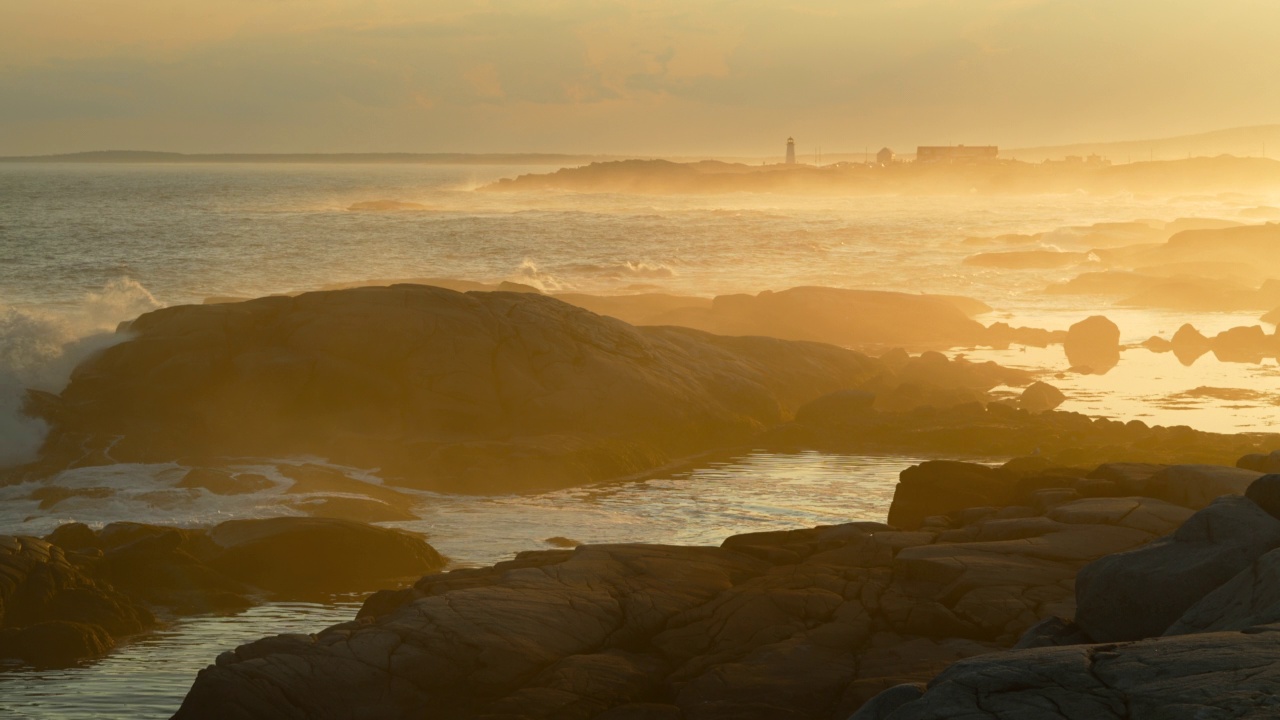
39	349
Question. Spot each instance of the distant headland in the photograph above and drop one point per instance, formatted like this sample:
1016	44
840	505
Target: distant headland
1194	175
146	156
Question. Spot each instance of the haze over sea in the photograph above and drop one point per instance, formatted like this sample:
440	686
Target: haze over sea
84	247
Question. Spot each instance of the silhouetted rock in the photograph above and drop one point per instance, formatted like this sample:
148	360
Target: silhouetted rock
1189	344
941	486
301	556
439	389
1242	344
1093	345
1039	397
1265	491
1141	593
1260	462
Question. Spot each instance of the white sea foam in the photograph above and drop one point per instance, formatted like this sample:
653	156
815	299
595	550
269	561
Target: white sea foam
39	349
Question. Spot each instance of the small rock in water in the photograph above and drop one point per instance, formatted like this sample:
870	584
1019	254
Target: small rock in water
1093	343
1041	397
562	542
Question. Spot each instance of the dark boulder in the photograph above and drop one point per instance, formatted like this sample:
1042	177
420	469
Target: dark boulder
55	643
1093	345
300	556
938	487
1040	397
1265	491
1261	462
1142	592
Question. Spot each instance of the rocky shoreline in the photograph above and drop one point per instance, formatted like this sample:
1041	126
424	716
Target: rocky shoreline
817	623
1061	571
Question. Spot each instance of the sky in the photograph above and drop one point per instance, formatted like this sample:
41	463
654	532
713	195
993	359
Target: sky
641	77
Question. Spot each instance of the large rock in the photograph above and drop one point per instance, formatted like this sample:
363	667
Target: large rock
1266	491
938	487
1195	486
51	612
440	389
1040	397
298	556
1250	598
1213	675
1141	593
1093	345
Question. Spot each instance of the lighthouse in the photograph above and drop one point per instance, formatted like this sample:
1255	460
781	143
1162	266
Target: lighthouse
791	151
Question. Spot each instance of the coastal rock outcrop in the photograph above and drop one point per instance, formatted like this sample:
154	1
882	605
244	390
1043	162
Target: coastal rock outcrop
789	624
1141	593
476	391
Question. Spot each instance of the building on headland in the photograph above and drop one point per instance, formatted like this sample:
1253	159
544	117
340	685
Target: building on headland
885	156
791	151
956	153
1094	160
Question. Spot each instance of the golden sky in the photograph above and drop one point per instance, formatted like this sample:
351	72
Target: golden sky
625	76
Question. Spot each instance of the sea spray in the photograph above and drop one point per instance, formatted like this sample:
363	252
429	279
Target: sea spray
40	349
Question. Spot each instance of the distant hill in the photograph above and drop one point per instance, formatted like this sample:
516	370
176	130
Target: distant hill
1241	142
144	156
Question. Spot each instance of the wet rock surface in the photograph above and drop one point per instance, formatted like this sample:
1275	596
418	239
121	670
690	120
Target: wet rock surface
850	422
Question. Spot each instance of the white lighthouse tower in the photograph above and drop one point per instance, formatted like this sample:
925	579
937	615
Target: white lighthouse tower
791	151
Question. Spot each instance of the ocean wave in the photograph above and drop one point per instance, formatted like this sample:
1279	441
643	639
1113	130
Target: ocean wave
39	349
626	269
530	274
